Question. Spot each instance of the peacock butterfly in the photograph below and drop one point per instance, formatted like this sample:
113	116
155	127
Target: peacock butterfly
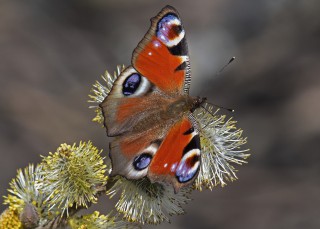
149	110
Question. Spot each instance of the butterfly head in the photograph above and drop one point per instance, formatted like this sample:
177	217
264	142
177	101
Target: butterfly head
197	102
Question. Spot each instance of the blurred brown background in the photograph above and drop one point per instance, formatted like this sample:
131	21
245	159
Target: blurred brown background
52	51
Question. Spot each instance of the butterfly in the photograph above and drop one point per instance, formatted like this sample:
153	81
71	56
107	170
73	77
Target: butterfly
149	111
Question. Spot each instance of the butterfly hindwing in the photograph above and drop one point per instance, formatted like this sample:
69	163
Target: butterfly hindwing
126	104
162	55
177	160
131	154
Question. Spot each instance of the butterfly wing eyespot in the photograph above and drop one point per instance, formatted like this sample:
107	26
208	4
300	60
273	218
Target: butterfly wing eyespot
189	166
142	161
171	33
131	84
135	85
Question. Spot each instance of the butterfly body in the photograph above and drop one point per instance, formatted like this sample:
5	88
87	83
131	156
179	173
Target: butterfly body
149	110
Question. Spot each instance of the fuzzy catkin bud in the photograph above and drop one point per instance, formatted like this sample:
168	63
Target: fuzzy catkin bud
29	217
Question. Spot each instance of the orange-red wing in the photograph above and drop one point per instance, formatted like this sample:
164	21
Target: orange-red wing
162	55
177	160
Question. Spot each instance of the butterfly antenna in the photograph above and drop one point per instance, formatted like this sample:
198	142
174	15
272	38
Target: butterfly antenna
226	65
207	110
221	70
218	73
228	109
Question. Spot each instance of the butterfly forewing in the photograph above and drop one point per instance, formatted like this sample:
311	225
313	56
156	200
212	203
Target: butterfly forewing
162	55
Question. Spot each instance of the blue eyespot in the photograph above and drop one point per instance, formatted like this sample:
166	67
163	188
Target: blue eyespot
164	27
142	161
131	84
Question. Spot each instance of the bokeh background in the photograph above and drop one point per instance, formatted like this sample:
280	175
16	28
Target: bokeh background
52	51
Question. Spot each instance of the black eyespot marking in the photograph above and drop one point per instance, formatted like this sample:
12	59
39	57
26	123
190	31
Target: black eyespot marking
131	84
177	29
195	159
181	49
193	144
182	66
142	161
189	131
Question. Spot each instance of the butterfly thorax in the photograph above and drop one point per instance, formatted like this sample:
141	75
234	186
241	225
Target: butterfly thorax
184	104
167	112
